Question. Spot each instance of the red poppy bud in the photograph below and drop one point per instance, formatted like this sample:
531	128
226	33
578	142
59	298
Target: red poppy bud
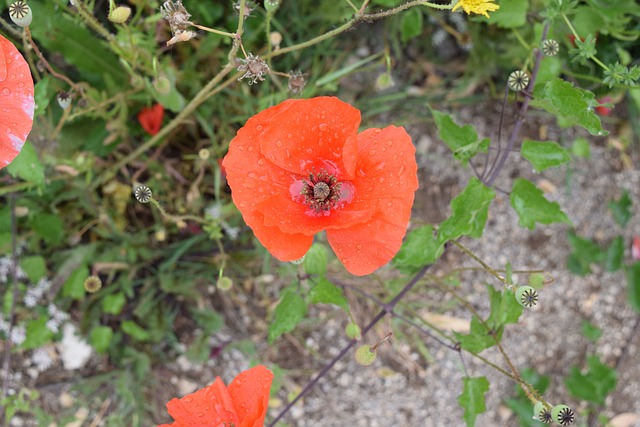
603	109
150	118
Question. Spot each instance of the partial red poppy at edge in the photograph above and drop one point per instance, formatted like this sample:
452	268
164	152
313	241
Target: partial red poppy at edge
16	102
301	167
243	404
150	118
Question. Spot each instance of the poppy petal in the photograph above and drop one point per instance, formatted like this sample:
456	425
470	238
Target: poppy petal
296	133
284	246
250	394
389	177
151	118
207	407
16	101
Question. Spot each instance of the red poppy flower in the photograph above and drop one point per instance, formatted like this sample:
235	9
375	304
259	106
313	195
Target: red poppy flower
635	248
16	101
150	118
301	167
242	404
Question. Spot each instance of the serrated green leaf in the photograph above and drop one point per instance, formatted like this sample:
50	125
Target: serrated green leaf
101	338
288	314
134	330
461	140
48	226
410	24
633	285
572	104
472	398
615	255
591	331
325	292
504	308
421	247
74	286
35	267
27	166
595	384
469	211
531	206
478	338
544	154
209	320
37	333
512	14
581	148
621	209
114	303
315	260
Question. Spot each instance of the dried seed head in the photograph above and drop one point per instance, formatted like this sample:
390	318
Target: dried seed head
182	36
518	80
143	194
254	69
20	13
550	47
249	7
176	15
297	82
92	284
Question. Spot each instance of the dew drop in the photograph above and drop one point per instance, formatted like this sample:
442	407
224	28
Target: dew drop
278	143
401	170
359	247
323	127
362	173
252	175
381	179
6	91
309	150
372	153
259	127
241	147
250	148
261	162
289	136
288	153
395	157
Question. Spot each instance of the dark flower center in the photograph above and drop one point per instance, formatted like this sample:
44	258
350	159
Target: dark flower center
321	191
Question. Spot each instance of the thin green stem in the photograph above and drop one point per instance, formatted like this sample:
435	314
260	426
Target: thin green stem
482	263
214	31
575	34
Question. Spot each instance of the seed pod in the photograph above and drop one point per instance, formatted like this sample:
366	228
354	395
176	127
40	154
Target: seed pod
518	80
120	14
562	415
353	331
550	47
64	100
542	413
143	194
526	296
224	283
92	284
272	5
365	356
20	13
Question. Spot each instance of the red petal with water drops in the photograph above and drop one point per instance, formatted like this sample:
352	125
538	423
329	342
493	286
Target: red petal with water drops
250	394
207	407
16	101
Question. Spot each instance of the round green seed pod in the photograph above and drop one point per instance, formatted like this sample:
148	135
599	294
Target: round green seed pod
272	5
120	14
224	283
353	331
562	415
365	356
526	296
162	85
541	413
20	13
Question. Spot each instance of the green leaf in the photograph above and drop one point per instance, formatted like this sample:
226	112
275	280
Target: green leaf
35	267
472	398
421	247
621	209
469	211
584	252
633	285
531	205
411	24
48	226
462	140
41	96
74	286
101	338
595	384
478	338
27	166
209	320
134	330
315	261
326	292
591	331
114	303
288	314
504	308
574	105
581	148
544	155
615	255
512	14
37	333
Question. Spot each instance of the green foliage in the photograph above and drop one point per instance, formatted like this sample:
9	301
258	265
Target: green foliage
35	267
544	155
531	205
520	404
511	15
472	398
469	212
621	209
37	333
633	285
590	331
584	252
595	384
27	166
326	292
410	24
101	337
420	247
462	140
315	261
290	311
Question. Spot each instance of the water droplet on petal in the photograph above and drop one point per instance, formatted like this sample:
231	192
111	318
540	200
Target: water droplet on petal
259	127
6	91
278	143
323	127
250	148
261	162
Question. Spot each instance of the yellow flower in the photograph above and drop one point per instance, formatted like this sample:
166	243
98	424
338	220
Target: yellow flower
477	6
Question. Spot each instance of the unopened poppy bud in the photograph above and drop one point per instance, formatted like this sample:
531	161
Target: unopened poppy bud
92	284
20	13
353	331
271	5
563	415
224	283
64	100
365	356
526	296
120	14
162	85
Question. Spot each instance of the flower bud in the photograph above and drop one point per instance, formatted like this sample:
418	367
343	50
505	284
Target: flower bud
162	85
120	14
20	13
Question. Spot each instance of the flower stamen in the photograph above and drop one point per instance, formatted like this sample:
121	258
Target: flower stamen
321	191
